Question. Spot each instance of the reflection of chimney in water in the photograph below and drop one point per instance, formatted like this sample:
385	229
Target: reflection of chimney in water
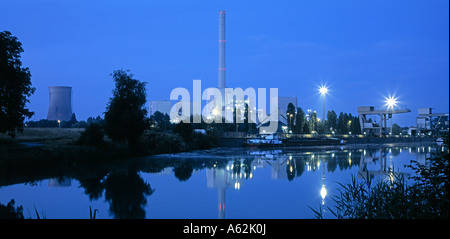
221	200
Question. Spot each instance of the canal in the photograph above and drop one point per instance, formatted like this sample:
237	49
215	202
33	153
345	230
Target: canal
220	183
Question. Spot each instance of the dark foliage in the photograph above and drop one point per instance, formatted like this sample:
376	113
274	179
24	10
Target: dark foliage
125	119
93	135
15	86
11	212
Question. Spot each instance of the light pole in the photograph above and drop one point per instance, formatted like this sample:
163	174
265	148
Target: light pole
323	91
391	102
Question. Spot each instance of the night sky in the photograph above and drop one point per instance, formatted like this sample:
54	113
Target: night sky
363	50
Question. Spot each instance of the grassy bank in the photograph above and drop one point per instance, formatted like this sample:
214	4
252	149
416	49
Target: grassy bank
44	135
48	148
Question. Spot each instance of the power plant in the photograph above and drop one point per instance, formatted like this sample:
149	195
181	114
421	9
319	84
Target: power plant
164	106
60	103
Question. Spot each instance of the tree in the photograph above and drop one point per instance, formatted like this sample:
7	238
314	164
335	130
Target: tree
396	129
331	120
15	86
290	115
356	127
125	119
299	121
185	130
313	121
161	121
342	123
306	129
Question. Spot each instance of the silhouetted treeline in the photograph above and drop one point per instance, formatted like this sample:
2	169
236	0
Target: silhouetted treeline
301	122
72	123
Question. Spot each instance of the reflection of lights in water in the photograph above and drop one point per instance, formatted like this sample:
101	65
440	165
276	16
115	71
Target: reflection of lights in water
323	193
237	185
291	169
251	175
364	152
350	161
332	155
391	177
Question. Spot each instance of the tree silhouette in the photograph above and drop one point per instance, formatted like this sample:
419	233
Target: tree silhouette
184	171
125	116
15	86
127	194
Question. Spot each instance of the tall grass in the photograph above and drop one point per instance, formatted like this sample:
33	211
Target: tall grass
426	197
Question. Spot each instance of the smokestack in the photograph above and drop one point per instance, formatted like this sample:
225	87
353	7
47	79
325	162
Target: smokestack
222	68
60	103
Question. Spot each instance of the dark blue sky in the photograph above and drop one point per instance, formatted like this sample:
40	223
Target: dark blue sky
364	50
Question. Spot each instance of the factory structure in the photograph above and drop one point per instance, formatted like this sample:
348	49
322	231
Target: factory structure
60	103
164	106
429	123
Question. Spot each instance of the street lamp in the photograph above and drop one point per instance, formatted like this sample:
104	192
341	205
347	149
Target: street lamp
323	90
391	102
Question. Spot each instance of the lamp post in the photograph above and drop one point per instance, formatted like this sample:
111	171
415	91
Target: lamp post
323	91
391	102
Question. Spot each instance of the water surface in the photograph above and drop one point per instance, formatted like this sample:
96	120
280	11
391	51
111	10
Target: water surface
219	183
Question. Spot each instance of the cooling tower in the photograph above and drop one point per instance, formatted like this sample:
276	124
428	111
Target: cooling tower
60	103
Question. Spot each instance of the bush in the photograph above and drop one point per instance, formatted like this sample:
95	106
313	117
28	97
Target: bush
11	212
185	130
161	143
93	135
201	141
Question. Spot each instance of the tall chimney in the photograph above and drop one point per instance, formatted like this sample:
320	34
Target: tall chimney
222	68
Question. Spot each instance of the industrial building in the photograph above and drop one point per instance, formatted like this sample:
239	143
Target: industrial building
164	106
385	113
60	103
431	123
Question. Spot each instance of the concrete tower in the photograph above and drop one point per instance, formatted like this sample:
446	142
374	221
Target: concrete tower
222	67
60	103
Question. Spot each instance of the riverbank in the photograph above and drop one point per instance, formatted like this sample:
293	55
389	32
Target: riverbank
239	142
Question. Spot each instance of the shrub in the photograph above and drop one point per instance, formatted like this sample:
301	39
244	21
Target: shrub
11	212
93	135
425	197
160	143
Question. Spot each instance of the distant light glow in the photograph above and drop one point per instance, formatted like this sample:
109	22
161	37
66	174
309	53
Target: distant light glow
391	101
323	192
323	90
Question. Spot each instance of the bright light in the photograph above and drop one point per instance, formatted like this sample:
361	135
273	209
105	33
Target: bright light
323	192
216	112
391	102
323	90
